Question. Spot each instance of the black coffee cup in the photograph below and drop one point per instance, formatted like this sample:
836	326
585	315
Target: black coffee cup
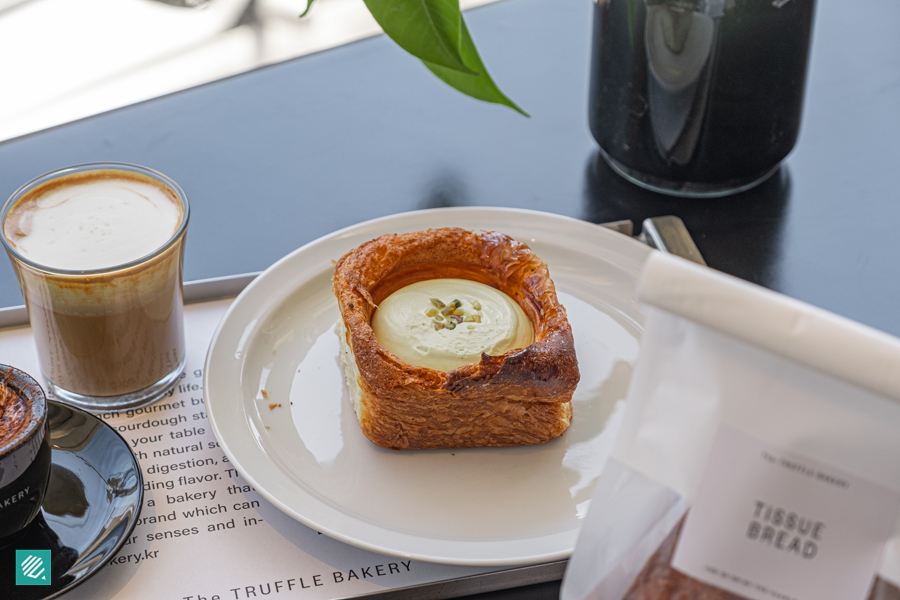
698	99
24	451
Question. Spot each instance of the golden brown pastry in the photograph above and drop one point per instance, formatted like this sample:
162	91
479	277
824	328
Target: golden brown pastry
520	397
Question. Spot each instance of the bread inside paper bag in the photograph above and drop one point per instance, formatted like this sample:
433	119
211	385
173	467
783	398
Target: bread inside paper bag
759	455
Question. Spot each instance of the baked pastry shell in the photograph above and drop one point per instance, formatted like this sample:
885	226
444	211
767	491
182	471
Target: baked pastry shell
520	397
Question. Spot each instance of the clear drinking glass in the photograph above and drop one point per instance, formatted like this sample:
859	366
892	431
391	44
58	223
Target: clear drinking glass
107	338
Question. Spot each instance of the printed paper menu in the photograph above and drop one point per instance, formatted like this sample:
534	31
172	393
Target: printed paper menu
204	533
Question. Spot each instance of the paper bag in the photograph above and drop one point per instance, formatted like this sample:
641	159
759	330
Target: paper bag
759	455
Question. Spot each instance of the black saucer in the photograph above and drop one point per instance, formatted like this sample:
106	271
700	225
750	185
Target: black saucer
92	504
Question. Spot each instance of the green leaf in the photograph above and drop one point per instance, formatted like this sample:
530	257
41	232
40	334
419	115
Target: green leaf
631	15
309	4
428	29
478	85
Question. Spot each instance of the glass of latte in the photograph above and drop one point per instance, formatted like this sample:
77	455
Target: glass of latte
97	249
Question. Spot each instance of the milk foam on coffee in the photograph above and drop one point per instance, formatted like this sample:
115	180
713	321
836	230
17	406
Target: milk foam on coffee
93	224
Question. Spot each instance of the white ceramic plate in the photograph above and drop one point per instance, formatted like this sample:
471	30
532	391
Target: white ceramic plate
483	506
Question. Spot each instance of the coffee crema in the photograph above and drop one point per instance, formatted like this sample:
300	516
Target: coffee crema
93	220
14	414
25	453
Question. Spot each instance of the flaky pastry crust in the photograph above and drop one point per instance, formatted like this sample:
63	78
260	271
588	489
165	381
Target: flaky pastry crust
521	397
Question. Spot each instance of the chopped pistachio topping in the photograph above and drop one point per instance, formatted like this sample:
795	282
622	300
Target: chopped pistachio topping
448	315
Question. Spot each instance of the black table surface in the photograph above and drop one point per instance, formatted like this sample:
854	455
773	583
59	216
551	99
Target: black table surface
277	157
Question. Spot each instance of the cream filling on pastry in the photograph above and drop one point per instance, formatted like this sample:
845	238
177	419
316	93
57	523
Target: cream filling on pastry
405	324
351	370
